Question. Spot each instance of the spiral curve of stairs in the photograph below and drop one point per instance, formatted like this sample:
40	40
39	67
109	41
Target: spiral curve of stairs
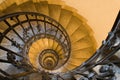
49	35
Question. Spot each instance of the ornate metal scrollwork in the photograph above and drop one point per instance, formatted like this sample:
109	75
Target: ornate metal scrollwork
17	45
26	34
107	72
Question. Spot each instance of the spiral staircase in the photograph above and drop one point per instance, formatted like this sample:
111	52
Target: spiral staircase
42	38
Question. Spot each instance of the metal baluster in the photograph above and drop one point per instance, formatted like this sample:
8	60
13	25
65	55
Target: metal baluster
60	39
4	61
11	52
60	77
24	30
55	36
26	35
101	60
14	43
30	25
20	23
109	55
3	72
14	31
45	26
38	27
50	31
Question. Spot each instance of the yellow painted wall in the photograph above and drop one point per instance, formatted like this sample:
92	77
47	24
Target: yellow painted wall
100	14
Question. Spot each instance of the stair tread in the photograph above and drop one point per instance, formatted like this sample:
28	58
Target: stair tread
1	13
11	22
54	45
65	17
50	43
18	2
42	7
6	3
28	6
33	50
64	69
61	54
70	66
78	34
58	47
33	59
3	26
73	25
83	53
41	44
22	18
77	61
36	46
82	43
54	11
58	2
11	9
45	42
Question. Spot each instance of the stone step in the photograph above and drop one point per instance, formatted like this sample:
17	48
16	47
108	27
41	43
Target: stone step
65	17
54	11
82	53
42	7
28	6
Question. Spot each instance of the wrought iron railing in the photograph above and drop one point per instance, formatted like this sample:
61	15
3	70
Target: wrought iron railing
20	30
